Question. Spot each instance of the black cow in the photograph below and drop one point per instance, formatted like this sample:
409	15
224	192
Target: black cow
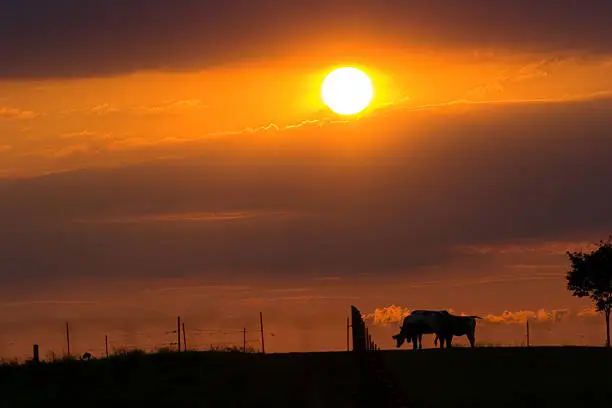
460	326
438	322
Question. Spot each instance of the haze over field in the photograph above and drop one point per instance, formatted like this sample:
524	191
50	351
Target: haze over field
163	158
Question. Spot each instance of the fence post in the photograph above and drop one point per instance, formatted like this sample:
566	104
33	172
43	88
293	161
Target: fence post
527	324
178	332
36	357
106	344
184	338
244	340
68	339
263	346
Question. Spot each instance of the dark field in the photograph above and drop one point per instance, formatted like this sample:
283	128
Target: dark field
490	377
505	377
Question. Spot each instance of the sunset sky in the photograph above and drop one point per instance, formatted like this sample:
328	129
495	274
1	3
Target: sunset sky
162	158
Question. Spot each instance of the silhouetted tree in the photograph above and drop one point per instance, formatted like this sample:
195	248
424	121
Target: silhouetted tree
591	275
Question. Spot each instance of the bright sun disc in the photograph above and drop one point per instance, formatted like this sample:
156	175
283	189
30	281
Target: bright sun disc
347	91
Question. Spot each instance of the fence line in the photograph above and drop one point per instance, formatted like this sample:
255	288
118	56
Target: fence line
198	338
67	338
362	339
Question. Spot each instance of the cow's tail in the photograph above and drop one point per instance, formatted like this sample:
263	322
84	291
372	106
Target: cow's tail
476	317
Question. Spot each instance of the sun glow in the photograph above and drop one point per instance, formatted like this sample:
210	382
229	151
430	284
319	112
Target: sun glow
347	91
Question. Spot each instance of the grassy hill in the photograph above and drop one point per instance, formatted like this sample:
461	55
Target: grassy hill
437	378
505	377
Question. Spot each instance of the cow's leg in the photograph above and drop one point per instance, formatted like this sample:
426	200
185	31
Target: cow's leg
442	339
449	341
420	341
414	342
472	340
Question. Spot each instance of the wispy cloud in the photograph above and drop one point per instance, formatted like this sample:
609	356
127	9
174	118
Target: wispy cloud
49	303
199	289
172	107
533	70
550	247
536	266
113	143
81	134
143	142
289	290
323	119
514	278
458	103
189	217
296	298
16	113
70	150
277	128
100	109
5	148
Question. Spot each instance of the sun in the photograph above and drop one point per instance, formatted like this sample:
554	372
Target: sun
347	91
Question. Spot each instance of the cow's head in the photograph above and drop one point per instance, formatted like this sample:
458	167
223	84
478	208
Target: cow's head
399	338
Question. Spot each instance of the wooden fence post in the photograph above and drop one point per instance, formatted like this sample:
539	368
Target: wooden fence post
68	339
527	324
263	346
178	332
184	338
36	357
244	340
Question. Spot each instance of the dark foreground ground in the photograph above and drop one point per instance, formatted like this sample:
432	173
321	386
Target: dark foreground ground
506	377
487	377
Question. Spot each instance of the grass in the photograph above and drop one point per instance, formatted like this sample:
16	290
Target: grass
500	377
198	379
492	377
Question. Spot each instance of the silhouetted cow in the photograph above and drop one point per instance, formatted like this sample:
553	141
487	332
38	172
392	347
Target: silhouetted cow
420	322
460	326
439	322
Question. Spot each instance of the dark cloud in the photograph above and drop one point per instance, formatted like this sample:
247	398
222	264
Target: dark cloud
422	183
74	38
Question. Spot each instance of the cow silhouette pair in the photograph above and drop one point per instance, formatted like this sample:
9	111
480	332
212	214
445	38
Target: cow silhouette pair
438	322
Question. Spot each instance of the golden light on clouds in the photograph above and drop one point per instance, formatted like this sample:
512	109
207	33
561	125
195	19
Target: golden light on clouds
347	91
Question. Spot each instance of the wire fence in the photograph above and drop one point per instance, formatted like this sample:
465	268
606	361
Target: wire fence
585	333
77	341
58	340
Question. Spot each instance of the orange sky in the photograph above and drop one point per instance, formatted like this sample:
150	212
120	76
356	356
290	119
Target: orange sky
229	189
62	124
